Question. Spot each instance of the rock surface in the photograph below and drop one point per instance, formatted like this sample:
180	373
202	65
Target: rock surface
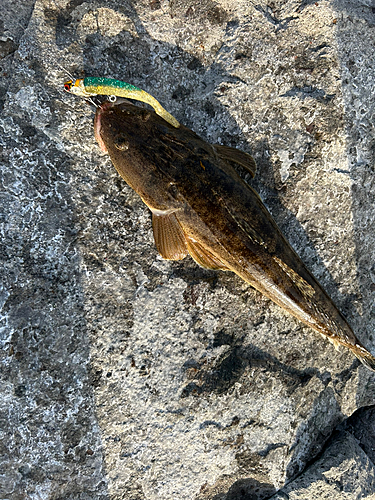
344	471
126	376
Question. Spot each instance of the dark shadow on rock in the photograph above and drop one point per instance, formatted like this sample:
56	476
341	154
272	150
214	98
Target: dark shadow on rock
9	41
248	489
228	369
362	426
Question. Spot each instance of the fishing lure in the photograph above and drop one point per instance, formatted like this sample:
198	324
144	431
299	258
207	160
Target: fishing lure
92	86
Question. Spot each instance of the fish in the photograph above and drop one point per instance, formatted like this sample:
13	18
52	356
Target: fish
202	207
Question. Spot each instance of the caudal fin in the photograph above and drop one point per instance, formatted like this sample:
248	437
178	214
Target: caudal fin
364	356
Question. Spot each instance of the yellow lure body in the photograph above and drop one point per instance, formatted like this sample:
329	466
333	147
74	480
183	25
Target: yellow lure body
91	86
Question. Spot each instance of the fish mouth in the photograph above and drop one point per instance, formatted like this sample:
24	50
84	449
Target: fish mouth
103	108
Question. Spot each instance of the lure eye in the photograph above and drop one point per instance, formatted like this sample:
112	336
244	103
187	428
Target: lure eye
68	85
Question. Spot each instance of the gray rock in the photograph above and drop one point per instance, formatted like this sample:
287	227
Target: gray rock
362	426
343	471
126	376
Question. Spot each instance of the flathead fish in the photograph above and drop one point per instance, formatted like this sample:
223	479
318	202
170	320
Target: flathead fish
201	206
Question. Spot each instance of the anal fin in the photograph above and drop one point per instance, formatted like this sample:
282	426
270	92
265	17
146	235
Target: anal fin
169	236
204	257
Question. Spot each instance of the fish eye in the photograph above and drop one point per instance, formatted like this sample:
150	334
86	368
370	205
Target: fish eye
145	115
121	143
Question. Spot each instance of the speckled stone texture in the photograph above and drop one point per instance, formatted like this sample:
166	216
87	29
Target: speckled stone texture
124	376
344	471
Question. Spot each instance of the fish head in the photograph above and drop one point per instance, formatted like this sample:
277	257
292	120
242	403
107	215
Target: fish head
121	126
130	135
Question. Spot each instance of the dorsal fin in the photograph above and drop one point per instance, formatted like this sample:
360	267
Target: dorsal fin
235	155
169	236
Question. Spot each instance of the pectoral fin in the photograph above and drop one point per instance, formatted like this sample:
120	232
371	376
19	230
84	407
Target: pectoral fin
235	155
169	236
204	257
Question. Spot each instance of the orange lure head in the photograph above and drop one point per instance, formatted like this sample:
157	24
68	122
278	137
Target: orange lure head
76	87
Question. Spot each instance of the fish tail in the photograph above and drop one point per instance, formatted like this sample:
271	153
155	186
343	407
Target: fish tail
364	356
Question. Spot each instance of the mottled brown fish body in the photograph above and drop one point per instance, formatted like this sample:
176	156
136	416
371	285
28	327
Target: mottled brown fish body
200	206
